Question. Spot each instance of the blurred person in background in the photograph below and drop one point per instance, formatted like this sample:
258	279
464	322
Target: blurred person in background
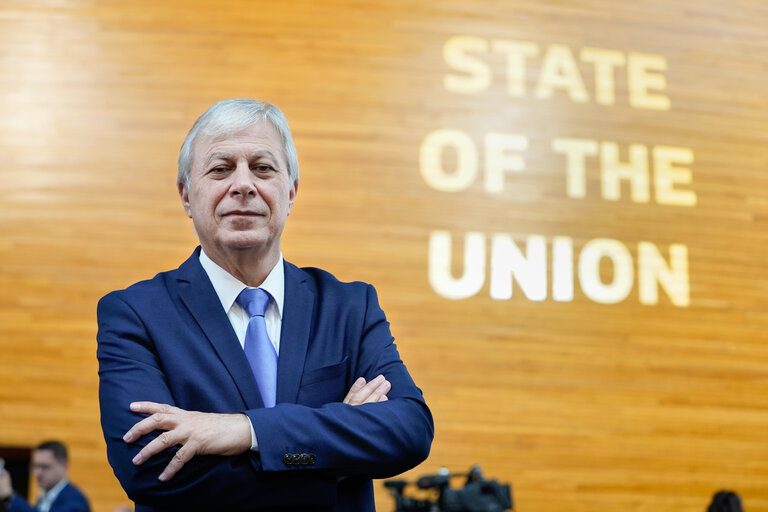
50	465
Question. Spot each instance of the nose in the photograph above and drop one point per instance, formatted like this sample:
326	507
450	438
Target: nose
242	181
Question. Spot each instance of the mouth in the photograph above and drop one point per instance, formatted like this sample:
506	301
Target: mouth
242	213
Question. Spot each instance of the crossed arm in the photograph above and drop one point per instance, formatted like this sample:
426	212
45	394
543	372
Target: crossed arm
201	433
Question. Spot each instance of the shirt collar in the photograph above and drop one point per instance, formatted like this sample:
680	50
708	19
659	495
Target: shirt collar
228	287
51	495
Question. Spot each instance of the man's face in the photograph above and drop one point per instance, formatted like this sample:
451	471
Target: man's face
239	193
48	471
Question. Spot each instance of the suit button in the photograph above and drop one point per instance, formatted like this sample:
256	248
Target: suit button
303	459
312	459
288	459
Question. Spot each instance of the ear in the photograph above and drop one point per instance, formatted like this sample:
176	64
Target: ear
292	194
184	194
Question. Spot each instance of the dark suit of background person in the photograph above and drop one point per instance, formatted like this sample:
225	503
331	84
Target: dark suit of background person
50	467
169	341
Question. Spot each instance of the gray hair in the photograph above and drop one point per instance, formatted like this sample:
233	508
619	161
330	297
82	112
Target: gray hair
232	116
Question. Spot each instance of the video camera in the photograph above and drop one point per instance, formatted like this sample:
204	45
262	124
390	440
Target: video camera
477	495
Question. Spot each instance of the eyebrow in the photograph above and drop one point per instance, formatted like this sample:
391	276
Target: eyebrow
219	155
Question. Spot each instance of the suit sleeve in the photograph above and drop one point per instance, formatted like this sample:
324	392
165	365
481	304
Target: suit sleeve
377	440
129	368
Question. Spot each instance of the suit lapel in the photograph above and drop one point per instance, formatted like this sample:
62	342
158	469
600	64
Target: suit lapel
298	311
198	295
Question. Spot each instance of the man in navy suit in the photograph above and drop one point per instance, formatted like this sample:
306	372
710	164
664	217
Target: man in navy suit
50	465
184	419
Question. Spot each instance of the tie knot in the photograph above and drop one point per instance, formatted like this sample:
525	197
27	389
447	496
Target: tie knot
254	301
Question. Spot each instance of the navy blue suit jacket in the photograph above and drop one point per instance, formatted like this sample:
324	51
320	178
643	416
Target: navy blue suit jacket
70	499
168	340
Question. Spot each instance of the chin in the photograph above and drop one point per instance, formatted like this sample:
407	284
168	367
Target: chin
245	241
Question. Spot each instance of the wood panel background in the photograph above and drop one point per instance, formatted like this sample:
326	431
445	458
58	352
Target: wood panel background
582	406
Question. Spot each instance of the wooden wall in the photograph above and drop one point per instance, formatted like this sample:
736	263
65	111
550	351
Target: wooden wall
628	406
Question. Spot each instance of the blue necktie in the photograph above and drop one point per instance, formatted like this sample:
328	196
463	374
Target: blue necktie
258	348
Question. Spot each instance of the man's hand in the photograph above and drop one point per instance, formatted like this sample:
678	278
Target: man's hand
199	433
363	392
6	488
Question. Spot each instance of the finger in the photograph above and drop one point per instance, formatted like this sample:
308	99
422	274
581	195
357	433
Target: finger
383	398
360	396
364	395
152	407
149	424
162	442
379	392
356	387
181	457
